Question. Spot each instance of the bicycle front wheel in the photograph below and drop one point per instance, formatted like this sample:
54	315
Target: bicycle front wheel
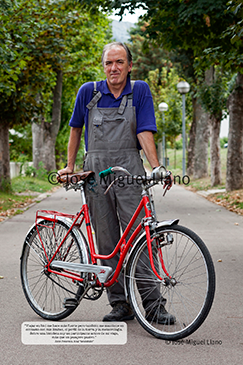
45	291
187	295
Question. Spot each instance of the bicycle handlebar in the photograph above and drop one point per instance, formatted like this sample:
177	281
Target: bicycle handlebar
106	172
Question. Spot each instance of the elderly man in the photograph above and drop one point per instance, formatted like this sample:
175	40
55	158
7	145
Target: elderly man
119	120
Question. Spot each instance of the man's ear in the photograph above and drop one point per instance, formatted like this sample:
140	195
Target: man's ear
130	67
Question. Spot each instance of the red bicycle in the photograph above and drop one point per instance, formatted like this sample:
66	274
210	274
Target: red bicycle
59	267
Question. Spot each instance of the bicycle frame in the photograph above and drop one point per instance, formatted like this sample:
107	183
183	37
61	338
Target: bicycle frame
121	246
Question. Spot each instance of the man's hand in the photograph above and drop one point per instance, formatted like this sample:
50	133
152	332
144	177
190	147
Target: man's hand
73	146
66	170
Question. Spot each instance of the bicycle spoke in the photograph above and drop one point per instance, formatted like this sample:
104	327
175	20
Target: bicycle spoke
187	296
46	291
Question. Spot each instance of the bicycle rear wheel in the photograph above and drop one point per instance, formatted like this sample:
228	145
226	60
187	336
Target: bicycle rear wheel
45	291
188	295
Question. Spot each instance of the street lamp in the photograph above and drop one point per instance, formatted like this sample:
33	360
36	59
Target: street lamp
163	107
183	87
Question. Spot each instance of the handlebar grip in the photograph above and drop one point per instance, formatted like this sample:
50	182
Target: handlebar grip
106	172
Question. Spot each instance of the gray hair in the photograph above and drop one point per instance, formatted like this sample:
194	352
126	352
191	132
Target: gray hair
110	45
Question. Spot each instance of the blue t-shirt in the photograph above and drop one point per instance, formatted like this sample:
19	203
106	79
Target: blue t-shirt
142	100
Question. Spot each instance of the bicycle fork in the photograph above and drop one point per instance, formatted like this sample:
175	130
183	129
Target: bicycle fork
148	224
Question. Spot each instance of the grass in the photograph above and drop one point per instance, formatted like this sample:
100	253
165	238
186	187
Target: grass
23	191
10	201
21	184
175	165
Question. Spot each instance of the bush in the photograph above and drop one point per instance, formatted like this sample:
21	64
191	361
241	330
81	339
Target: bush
223	141
179	144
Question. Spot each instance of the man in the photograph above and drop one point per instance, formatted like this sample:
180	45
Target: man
119	120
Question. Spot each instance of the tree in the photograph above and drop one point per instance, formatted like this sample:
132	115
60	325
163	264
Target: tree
147	56
193	26
152	64
163	88
19	83
234	177
33	62
81	47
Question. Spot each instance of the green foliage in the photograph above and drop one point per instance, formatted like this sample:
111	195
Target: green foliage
235	30
29	171
28	184
41	172
214	97
223	141
151	63
178	144
50	35
147	56
20	141
5	185
85	65
166	91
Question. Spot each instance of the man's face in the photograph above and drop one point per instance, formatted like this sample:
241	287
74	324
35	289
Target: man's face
116	66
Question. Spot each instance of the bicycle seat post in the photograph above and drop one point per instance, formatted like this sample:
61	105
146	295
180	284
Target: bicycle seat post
83	197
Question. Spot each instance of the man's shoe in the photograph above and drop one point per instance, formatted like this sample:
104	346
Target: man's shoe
121	311
160	315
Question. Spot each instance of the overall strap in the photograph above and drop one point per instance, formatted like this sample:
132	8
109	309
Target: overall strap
127	99
96	97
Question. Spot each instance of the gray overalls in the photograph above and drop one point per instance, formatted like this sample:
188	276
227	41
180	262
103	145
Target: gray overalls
112	141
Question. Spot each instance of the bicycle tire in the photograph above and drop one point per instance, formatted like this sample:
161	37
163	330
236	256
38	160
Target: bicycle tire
45	292
190	297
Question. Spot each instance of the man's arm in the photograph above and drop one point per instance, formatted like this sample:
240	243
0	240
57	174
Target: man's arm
73	146
146	140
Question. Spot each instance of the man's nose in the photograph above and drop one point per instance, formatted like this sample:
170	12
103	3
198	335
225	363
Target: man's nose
114	66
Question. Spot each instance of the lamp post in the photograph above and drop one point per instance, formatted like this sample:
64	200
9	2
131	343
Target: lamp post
163	107
183	87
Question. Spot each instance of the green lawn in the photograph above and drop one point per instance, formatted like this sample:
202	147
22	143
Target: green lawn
13	203
175	165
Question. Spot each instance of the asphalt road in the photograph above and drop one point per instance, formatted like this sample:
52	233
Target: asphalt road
218	341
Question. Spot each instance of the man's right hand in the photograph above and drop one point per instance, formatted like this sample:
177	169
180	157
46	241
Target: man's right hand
66	170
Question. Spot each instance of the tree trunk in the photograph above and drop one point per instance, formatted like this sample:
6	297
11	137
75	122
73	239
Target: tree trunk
4	157
37	142
192	138
202	135
234	175
215	151
201	143
44	134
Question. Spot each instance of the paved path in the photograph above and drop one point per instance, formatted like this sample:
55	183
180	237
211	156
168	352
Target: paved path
218	341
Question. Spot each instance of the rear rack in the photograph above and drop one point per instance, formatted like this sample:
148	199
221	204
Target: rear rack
51	215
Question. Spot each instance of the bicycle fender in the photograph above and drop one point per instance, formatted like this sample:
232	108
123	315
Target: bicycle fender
77	233
165	223
81	239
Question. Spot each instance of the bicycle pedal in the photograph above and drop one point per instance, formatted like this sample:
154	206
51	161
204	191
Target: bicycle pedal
70	303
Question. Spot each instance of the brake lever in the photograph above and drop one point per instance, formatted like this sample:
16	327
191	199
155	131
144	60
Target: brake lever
110	185
167	186
166	189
